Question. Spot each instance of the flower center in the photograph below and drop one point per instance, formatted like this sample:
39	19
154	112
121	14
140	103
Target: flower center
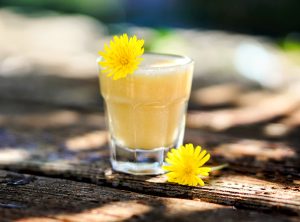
188	170
124	61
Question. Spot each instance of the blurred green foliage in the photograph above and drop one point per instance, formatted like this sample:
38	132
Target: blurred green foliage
291	45
101	9
276	18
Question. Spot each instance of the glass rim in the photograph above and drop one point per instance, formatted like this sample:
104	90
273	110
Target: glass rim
187	61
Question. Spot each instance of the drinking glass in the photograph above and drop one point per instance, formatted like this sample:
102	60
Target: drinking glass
145	112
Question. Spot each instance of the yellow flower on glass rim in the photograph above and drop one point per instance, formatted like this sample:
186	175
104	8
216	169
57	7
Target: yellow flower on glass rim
185	165
122	56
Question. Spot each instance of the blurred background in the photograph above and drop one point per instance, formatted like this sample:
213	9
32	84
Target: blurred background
244	107
246	52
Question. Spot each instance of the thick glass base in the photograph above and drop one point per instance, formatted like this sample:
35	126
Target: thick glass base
137	161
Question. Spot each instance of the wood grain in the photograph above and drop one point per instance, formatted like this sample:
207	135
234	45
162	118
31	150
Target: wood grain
48	200
229	188
263	174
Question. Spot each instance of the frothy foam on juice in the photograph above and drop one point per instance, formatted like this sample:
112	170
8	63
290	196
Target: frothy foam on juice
161	64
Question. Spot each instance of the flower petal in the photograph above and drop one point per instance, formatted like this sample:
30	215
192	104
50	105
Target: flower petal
200	181
197	150
205	169
204	160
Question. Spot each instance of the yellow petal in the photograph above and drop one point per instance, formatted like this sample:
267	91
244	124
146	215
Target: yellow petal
200	181
197	150
205	169
204	160
167	168
204	174
202	154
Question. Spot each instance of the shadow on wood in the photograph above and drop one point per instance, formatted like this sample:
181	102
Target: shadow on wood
64	200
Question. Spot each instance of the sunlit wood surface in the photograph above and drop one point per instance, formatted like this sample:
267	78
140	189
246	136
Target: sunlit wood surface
54	162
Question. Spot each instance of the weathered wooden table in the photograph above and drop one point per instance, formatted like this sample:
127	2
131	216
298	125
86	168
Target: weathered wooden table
54	164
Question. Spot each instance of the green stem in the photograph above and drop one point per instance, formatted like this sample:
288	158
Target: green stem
219	167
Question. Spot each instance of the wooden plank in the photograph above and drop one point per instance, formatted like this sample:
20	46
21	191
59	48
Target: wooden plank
229	189
68	144
46	199
241	189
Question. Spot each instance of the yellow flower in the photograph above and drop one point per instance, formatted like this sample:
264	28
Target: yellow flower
122	56
185	165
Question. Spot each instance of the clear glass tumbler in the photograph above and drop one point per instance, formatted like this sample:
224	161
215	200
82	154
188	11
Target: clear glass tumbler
145	112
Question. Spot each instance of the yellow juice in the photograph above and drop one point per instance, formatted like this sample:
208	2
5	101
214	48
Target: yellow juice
146	110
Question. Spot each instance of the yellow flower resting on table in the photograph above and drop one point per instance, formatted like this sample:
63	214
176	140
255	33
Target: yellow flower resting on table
186	165
122	56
